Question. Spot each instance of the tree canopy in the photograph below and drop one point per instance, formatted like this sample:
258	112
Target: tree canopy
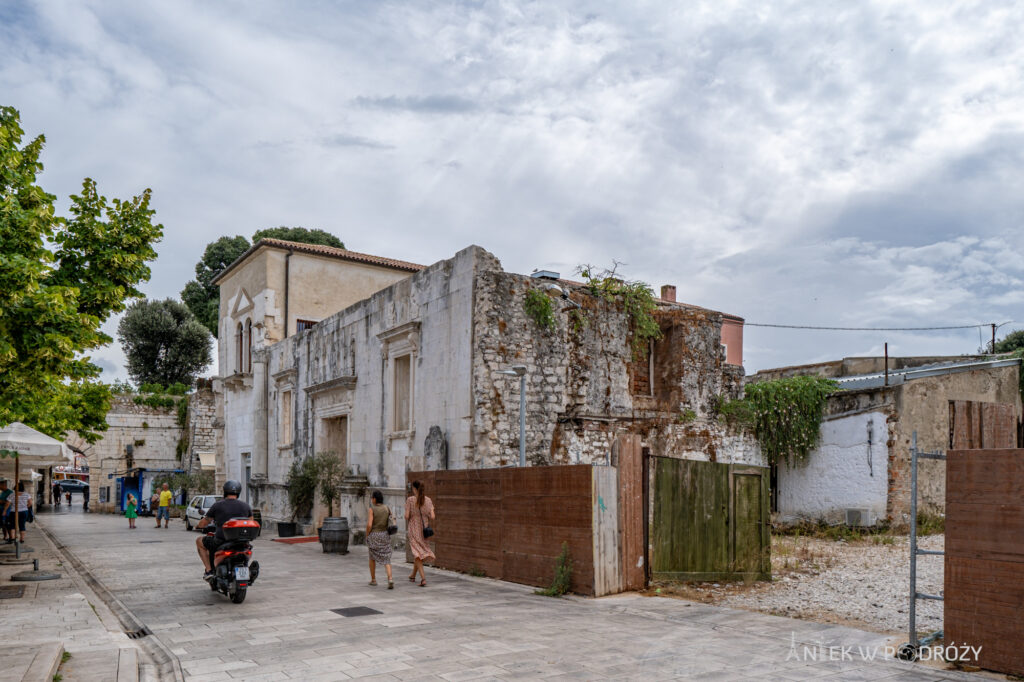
203	297
1011	342
60	279
164	343
304	235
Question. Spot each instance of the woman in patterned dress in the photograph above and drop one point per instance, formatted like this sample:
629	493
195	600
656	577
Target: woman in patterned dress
419	512
378	541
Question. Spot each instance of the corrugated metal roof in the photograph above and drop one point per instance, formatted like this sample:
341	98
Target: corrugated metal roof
900	376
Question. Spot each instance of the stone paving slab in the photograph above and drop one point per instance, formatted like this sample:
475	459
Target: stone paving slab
65	612
458	628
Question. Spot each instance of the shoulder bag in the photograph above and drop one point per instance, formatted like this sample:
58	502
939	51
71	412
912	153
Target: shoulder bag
392	526
427	530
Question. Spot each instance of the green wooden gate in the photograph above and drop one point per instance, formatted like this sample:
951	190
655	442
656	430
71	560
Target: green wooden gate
710	521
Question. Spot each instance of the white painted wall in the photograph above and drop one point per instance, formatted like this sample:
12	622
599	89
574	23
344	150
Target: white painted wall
837	475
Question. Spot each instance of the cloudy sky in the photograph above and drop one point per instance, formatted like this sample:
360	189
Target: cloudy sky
838	164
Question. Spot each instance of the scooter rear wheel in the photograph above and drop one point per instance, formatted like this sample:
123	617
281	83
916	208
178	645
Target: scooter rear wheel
239	596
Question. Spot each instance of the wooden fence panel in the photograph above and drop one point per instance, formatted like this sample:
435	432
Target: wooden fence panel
976	425
631	512
984	562
511	523
607	556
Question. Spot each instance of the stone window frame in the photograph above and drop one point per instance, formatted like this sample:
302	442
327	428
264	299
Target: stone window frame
399	342
242	312
322	414
284	381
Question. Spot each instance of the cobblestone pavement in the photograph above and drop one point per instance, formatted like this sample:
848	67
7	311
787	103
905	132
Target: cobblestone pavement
457	628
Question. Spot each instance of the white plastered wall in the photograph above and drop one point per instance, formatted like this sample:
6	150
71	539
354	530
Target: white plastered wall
846	471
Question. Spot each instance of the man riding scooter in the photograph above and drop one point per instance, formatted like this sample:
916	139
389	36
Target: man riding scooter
226	509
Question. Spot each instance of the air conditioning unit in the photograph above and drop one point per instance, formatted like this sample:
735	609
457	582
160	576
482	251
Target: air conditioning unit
859	517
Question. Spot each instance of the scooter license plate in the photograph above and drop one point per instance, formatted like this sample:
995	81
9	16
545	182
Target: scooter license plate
241	573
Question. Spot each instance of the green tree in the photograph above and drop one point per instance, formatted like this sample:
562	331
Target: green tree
203	297
304	235
60	279
1011	342
164	343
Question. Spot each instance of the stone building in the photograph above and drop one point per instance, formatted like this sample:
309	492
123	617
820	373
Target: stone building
412	377
860	472
140	444
144	443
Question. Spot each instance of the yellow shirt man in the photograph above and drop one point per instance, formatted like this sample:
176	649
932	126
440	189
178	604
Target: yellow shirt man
164	510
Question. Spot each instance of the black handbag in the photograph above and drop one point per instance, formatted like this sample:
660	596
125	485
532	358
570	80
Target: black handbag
392	526
427	530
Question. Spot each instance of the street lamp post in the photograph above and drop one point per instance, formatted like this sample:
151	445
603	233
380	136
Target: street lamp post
520	371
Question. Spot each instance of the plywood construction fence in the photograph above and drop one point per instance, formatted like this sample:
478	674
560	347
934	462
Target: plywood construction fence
976	425
511	523
984	562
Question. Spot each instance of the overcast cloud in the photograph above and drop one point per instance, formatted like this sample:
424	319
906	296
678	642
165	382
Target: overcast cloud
848	164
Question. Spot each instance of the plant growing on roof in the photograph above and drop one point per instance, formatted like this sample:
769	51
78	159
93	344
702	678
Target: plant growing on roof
636	299
540	309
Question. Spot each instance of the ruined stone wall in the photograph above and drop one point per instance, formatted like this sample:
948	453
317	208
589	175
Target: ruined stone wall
580	383
153	434
203	432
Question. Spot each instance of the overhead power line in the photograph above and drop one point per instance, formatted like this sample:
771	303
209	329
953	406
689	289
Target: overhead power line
865	329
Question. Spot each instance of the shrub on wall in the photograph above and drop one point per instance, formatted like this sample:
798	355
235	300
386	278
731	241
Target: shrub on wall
784	414
636	300
538	306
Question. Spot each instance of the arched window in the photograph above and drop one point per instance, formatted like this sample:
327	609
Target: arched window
248	345
238	348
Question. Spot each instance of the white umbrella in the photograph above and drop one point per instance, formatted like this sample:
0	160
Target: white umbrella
34	449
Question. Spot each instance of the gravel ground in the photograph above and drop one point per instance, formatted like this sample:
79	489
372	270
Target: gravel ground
862	583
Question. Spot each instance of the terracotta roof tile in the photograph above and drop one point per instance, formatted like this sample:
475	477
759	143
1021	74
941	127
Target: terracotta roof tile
320	250
343	254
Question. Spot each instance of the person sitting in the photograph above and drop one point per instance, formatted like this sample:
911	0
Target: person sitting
229	508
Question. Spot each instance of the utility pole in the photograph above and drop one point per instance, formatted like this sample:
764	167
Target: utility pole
993	348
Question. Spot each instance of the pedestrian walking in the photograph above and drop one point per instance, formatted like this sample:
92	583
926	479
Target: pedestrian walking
56	494
5	495
130	512
164	510
419	512
378	539
24	509
85	498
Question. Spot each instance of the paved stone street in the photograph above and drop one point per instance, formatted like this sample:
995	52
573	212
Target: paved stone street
458	628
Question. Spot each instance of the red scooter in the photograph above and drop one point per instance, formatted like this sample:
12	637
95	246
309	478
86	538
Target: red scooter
232	572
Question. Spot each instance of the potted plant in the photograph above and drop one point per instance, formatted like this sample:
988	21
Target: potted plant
301	484
334	531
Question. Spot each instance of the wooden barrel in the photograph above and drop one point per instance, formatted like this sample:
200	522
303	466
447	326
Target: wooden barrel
334	535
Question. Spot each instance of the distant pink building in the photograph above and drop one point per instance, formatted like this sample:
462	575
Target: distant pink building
732	338
732	329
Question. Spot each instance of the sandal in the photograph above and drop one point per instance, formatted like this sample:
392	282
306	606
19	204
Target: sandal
423	583
412	578
373	583
391	585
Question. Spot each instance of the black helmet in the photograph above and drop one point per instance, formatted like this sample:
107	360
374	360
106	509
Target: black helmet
232	488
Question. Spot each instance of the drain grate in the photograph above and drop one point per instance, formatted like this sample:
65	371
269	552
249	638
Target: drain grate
139	634
12	591
353	611
148	542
